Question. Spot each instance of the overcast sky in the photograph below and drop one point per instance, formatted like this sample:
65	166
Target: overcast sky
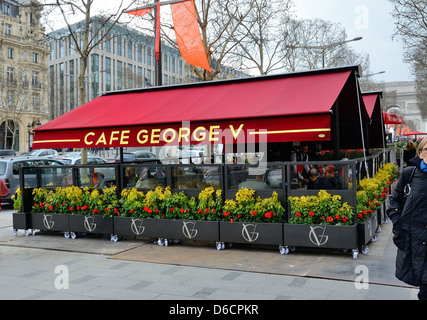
370	20
361	18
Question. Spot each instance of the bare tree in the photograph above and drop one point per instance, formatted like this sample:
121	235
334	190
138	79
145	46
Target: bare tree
410	17
260	38
315	43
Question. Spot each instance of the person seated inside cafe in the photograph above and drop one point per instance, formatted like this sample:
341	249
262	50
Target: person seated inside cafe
316	181
255	184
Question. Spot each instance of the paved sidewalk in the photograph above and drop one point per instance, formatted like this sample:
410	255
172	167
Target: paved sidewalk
40	267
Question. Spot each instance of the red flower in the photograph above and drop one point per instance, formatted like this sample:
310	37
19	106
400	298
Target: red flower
298	214
50	208
116	210
311	213
35	204
253	213
268	214
84	207
156	211
199	211
71	209
226	214
181	210
171	209
329	219
359	216
95	211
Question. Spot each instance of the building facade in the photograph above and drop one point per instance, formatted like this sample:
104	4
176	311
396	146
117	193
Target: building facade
23	73
402	100
124	59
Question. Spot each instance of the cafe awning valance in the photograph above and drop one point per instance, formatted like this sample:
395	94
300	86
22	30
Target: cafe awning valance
278	108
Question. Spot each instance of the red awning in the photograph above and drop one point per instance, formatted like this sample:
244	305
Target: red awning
376	131
287	107
390	118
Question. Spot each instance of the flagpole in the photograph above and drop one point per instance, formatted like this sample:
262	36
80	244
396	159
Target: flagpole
158	67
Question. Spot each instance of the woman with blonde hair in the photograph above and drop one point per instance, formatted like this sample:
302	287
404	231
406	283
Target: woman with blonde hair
408	212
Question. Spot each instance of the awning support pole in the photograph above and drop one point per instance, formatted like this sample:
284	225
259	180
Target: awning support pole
361	126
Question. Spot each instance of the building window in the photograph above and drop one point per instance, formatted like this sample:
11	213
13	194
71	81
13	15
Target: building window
35	80
8	29
10	75
10	53
35	57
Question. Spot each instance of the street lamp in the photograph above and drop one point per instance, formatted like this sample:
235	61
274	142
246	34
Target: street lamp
29	137
327	46
373	74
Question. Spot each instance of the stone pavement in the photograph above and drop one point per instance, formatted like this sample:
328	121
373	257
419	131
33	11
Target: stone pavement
48	266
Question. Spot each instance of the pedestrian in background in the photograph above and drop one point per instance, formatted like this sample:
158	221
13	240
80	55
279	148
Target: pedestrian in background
409	153
408	212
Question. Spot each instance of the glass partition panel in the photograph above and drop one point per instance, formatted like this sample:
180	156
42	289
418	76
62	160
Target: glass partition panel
196	177
144	177
96	177
244	176
317	176
55	177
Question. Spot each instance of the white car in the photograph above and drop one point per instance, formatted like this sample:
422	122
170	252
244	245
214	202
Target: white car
108	173
46	153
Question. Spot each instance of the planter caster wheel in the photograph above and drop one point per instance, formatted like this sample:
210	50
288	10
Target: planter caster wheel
283	250
355	253
220	245
27	233
385	221
15	232
374	238
33	232
175	241
114	238
73	235
378	229
365	249
162	242
66	235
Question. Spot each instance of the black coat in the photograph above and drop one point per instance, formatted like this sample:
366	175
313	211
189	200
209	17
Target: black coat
409	219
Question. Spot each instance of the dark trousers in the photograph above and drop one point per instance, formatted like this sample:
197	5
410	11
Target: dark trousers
422	295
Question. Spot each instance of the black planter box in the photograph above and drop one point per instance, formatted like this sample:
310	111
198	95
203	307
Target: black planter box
90	224
49	221
169	229
21	221
367	229
251	232
381	213
320	236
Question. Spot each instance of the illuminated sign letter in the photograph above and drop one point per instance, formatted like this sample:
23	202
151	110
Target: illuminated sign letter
202	134
101	139
144	136
112	137
124	137
213	133
86	136
155	134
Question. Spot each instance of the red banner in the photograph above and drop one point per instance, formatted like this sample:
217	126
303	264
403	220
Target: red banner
188	35
157	49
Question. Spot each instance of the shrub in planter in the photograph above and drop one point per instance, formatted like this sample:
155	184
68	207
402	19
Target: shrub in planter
248	208
73	200
321	209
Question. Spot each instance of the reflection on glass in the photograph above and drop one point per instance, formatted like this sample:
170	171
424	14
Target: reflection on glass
253	178
326	177
144	177
54	177
197	177
96	177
